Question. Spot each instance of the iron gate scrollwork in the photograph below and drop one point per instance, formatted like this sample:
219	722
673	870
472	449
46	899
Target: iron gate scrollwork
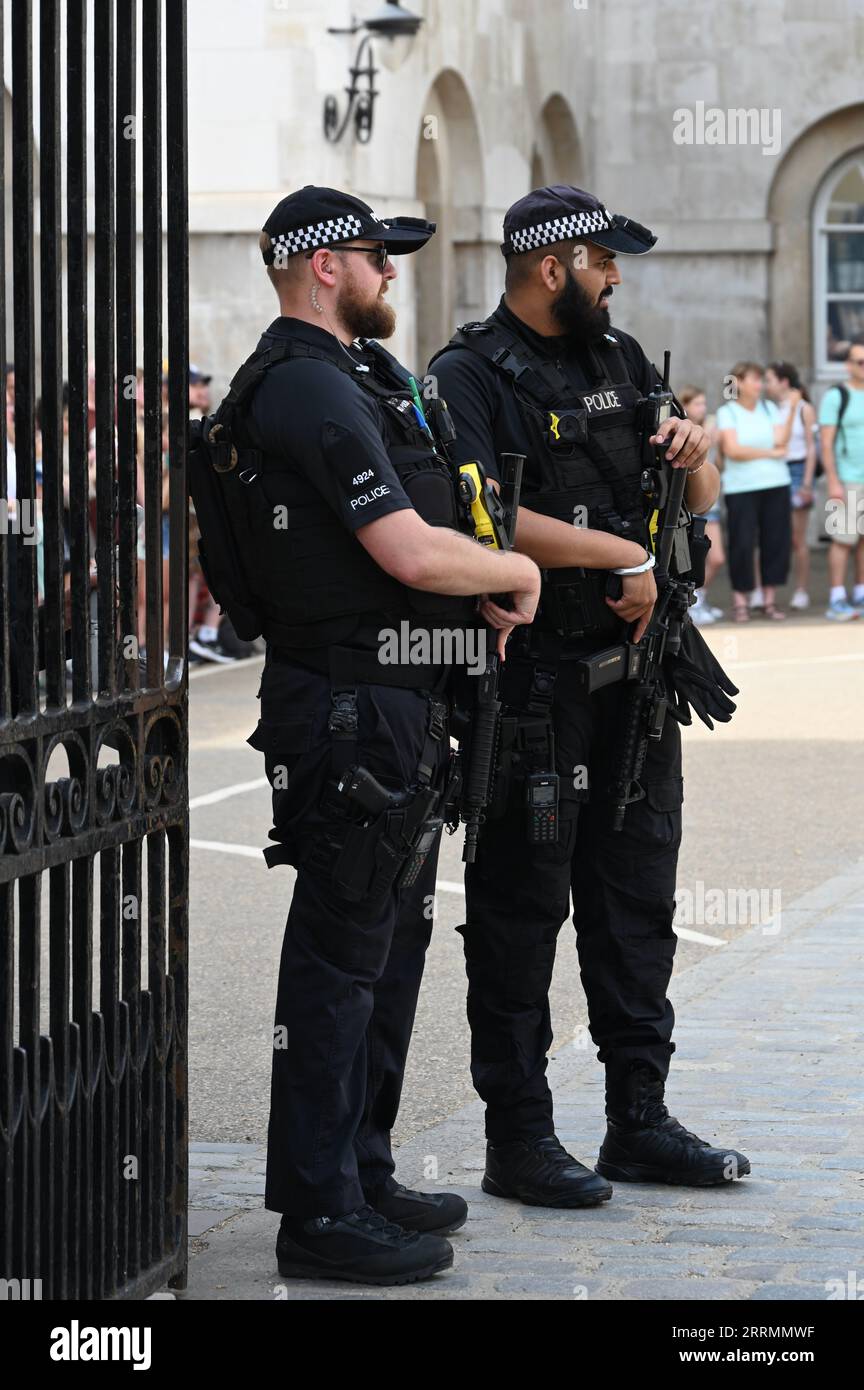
93	716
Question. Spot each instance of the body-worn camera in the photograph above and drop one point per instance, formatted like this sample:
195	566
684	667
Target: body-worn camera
567	427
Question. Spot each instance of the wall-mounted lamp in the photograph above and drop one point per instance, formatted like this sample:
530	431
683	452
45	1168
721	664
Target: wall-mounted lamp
390	21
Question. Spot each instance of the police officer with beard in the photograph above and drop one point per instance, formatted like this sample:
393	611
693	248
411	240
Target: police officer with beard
355	529
546	376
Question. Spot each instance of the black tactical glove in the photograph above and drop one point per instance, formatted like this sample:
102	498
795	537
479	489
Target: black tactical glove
695	679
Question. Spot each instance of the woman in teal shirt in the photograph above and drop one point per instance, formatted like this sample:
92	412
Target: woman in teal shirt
756	488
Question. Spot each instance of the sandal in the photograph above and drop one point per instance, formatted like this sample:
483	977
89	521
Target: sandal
741	613
775	613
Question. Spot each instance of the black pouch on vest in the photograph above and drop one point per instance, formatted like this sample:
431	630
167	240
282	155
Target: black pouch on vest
219	478
700	544
571	602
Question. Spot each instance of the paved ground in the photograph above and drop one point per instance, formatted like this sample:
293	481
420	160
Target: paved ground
768	1060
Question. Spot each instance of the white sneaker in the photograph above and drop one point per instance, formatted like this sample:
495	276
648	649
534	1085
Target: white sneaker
757	599
841	611
701	615
716	613
800	600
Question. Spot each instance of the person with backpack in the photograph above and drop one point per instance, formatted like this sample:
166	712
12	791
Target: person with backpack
841	421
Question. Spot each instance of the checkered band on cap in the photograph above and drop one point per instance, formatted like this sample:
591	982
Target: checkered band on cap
561	229
318	234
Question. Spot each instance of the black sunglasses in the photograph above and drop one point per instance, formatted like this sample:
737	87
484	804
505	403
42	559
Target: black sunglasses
380	253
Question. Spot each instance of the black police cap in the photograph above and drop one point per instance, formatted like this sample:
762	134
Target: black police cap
563	213
314	217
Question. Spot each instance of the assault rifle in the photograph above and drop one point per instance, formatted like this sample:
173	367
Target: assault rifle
671	666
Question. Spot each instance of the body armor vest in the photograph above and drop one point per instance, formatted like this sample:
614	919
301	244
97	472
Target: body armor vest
587	452
307	580
586	446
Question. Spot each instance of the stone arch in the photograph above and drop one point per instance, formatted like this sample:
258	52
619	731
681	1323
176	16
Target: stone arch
791	199
449	182
538	170
557	155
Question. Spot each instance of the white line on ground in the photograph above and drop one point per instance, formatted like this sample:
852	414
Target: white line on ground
250	851
687	935
223	793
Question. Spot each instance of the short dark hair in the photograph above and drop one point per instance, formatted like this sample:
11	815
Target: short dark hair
787	371
520	266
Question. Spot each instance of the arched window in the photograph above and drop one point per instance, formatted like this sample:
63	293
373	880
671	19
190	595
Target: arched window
838	268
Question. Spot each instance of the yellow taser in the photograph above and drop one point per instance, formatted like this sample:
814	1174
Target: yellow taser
477	493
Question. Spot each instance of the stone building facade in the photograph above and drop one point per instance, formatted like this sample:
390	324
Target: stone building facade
761	244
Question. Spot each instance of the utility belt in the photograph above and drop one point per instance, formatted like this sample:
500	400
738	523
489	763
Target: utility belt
350	650
365	666
380	838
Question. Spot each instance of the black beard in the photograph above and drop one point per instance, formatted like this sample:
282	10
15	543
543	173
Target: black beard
364	320
577	315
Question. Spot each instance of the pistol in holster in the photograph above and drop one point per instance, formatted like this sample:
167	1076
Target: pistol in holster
386	837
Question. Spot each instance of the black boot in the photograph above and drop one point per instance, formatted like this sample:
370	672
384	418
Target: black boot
361	1247
541	1173
644	1143
419	1211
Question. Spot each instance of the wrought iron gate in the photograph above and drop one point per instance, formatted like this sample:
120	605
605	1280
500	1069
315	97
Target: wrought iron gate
93	736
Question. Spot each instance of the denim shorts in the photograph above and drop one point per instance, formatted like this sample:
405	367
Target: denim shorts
796	478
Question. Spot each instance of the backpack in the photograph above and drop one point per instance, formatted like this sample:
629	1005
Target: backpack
844	401
817	433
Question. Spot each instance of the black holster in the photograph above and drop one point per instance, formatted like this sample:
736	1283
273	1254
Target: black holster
392	847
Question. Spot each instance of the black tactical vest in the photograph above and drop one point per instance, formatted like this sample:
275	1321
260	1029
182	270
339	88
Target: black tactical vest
586	455
586	446
309	581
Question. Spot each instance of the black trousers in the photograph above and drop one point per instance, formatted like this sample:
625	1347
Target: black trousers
350	972
759	520
623	887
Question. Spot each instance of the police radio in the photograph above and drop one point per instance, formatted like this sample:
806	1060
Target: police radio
541	797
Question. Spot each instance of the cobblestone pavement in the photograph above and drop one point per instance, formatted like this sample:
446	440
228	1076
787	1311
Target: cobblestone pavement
768	1061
